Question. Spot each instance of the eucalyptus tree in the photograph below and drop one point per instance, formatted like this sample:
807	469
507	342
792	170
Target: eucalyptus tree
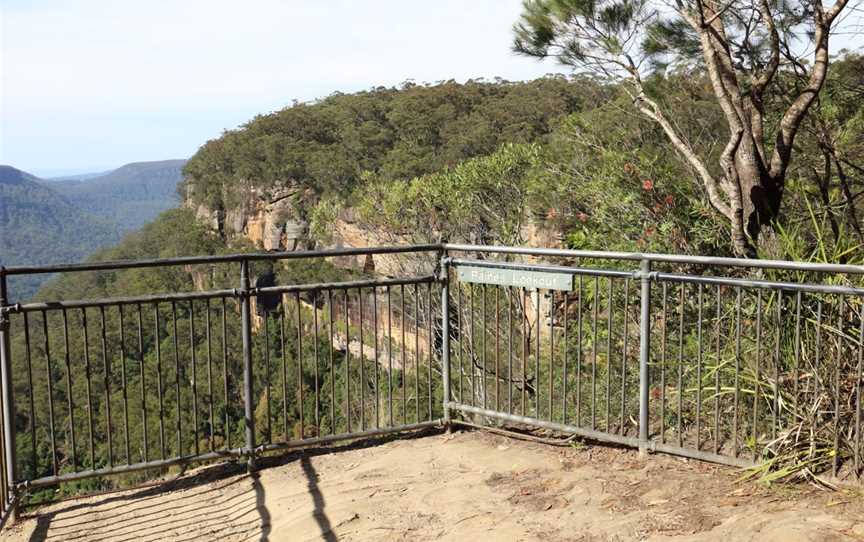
745	46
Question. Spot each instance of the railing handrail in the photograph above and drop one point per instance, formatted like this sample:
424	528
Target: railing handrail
212	259
789	265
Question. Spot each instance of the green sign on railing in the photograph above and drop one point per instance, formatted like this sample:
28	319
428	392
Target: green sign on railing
546	280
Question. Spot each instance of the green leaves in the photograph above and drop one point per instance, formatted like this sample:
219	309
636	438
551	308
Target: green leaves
670	41
596	35
395	133
478	200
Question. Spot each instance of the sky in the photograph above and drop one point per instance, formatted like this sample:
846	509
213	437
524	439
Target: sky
88	85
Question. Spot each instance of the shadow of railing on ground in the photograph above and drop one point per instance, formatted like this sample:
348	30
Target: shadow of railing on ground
182	510
208	504
318	500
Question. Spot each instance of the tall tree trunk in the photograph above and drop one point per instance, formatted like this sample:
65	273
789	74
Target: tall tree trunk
760	196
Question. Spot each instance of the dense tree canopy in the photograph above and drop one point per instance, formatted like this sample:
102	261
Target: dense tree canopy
396	133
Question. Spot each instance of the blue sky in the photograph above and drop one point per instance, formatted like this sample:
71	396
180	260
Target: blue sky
89	85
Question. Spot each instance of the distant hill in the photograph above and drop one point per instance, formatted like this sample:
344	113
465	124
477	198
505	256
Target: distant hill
49	221
129	196
77	177
40	226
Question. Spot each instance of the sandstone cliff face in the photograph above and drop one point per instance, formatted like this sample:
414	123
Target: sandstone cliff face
275	220
270	219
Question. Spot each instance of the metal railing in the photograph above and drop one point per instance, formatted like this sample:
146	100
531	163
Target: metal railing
717	368
671	360
129	386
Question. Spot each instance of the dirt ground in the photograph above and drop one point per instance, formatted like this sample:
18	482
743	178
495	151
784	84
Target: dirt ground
466	486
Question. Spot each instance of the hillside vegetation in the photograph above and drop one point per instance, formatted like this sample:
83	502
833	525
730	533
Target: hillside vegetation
330	144
129	196
39	226
44	222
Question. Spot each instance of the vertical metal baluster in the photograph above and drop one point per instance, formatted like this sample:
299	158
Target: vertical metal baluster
158	342
209	340
483	347
194	383
737	371
300	413
362	364
699	368
645	332
835	464
510	294
225	375
284	354
332	363
9	473
609	317
579	354
431	348
267	377
525	347
245	293
564	376
717	378
175	338
622	427
144	442
89	390
123	383
375	354
473	345
316	338
446	336
663	336
347	365
551	416
775	407
858	392
756	390
389	356
497	347
106	364
797	350
594	355
461	344
538	387
32	423
67	357
818	356
49	381
681	367
404	365
416	352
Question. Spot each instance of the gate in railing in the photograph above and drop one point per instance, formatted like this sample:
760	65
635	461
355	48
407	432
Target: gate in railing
652	353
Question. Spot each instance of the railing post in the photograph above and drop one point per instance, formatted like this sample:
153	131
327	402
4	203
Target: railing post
644	353
7	397
444	271
246	323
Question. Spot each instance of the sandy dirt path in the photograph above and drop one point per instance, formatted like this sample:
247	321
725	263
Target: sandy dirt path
467	486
